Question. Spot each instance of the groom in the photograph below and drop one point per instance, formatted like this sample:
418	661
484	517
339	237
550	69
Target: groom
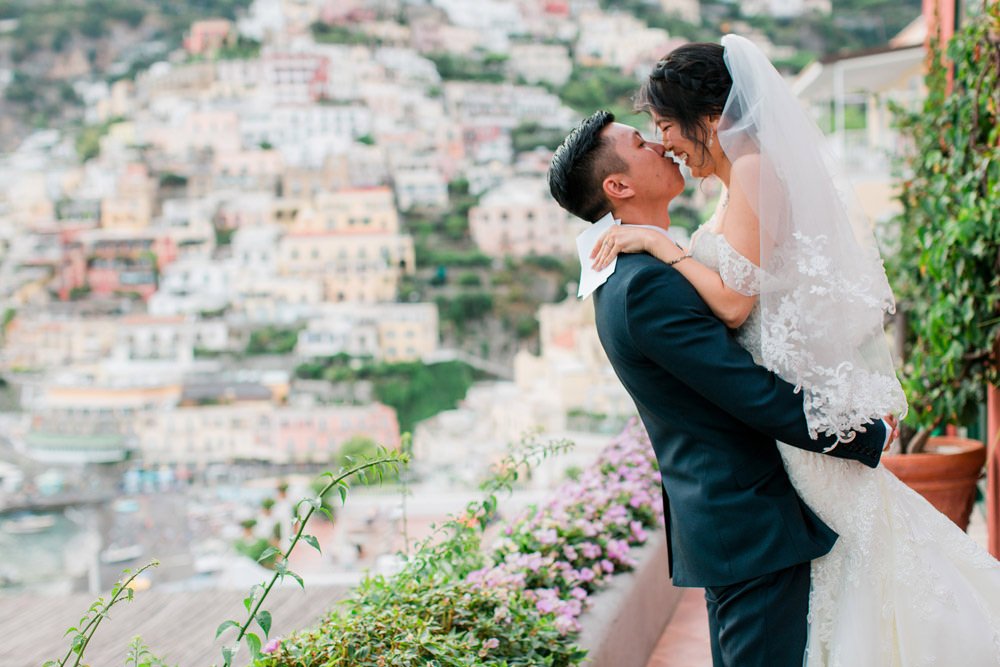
735	525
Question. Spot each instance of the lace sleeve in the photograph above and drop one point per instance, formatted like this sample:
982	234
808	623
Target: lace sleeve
738	272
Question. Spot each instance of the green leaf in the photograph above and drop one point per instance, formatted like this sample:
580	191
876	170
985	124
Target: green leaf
264	621
253	643
224	626
296	578
313	542
267	553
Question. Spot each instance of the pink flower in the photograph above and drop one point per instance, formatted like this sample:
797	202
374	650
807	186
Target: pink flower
618	550
590	550
547	604
566	624
271	646
548	536
638	533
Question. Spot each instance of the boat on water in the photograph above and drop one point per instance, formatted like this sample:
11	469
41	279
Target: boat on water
28	524
121	554
9	576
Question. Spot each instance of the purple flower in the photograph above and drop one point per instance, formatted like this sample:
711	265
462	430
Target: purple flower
271	646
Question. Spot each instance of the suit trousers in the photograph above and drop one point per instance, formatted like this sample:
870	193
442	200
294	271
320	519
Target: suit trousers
760	622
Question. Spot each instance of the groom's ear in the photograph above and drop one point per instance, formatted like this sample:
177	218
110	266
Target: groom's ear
617	186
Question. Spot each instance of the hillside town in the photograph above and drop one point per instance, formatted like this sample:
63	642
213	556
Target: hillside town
223	280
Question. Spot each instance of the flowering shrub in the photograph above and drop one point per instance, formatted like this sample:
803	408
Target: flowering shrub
568	548
517	605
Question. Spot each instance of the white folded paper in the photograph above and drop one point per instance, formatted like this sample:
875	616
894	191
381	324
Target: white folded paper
590	279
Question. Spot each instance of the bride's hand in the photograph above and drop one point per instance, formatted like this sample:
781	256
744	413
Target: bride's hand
627	239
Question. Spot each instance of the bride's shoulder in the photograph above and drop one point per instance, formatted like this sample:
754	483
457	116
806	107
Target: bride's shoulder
747	160
746	166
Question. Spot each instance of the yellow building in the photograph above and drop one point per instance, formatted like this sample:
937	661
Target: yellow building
47	343
361	210
29	203
132	206
354	266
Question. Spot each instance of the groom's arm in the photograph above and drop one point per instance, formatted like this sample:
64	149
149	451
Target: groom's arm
673	327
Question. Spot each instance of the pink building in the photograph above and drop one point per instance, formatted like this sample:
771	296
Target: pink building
128	263
319	433
297	78
520	218
207	36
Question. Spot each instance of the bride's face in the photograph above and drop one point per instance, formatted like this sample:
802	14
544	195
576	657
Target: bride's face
695	154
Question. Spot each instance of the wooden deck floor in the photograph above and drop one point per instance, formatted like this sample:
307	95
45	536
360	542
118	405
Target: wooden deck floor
178	627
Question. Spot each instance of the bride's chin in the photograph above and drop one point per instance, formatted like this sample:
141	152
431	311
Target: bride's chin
702	171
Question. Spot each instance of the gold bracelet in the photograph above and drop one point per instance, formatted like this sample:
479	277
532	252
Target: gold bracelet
682	257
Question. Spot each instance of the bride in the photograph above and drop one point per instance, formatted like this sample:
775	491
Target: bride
791	264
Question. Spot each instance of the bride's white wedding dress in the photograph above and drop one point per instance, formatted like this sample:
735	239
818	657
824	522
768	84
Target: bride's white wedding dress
903	586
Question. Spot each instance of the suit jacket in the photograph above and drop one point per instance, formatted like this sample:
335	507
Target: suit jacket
713	417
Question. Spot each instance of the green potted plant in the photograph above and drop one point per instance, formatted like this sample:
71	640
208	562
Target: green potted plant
248	525
947	269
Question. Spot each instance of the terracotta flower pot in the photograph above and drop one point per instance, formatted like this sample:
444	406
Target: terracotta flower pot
945	474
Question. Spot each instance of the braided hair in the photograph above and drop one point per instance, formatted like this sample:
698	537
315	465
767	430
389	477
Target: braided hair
687	85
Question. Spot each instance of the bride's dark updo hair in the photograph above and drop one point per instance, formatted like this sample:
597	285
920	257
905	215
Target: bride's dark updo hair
688	84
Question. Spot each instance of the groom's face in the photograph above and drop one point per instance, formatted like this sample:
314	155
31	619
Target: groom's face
651	173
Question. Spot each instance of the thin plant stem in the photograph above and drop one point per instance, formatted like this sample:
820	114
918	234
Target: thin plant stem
302	521
91	627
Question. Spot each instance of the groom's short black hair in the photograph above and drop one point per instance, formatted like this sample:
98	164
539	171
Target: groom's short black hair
580	165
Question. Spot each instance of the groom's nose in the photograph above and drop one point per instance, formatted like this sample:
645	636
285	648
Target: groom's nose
658	147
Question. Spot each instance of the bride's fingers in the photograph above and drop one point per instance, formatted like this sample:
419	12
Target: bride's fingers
600	245
604	261
601	253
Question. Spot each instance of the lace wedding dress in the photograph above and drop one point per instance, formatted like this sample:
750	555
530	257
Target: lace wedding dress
903	586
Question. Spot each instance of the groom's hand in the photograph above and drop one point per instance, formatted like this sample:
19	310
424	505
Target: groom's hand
893	431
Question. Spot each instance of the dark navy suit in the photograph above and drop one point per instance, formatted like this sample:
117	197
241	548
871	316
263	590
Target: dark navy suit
735	525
